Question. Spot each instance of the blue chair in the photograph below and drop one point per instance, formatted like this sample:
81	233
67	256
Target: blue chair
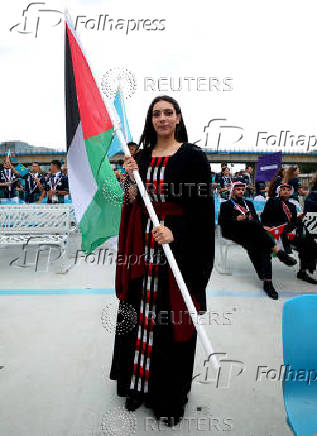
259	205
300	353
217	207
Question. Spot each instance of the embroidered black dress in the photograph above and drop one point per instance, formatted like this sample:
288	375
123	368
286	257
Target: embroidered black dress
148	361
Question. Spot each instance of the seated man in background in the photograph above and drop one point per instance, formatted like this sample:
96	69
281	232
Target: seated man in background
239	222
280	211
56	184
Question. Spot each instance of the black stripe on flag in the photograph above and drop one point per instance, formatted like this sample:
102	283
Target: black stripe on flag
71	104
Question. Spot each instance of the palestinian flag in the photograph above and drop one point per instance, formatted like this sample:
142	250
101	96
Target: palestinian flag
96	193
276	232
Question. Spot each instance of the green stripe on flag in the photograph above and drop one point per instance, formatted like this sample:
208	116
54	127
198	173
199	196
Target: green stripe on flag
274	240
96	148
99	222
101	219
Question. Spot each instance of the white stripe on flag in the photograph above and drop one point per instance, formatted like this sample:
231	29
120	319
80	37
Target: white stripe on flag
82	184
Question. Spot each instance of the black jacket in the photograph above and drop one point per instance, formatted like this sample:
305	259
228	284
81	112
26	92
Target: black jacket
274	215
228	215
194	232
310	204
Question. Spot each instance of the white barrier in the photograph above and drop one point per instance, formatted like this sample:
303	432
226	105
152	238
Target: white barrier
28	224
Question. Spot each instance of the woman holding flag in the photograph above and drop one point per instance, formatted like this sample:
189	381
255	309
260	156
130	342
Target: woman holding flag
154	361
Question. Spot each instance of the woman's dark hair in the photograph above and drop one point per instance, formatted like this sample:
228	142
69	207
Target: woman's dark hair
279	173
290	173
149	135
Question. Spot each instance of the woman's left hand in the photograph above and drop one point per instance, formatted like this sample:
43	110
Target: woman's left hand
162	235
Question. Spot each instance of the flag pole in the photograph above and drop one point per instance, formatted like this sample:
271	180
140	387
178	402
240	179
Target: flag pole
201	332
123	112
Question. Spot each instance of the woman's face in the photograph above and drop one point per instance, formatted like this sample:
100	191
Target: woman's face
164	118
227	172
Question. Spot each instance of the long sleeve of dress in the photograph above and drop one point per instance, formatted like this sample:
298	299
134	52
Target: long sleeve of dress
194	243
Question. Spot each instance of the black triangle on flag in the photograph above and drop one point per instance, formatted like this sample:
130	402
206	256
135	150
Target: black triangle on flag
71	103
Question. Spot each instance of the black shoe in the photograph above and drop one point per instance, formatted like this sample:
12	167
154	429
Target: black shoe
148	401
132	404
304	276
270	291
288	250
171	421
285	258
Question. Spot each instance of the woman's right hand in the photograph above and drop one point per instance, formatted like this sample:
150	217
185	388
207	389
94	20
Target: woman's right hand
129	164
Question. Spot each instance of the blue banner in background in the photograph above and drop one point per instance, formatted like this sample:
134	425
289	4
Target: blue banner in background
268	164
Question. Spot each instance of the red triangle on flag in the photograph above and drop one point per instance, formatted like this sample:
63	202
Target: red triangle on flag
93	113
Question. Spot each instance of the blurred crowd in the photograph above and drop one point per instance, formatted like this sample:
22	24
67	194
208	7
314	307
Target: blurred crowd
19	184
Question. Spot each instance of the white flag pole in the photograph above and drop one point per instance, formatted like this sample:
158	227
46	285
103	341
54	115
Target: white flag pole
201	332
121	96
